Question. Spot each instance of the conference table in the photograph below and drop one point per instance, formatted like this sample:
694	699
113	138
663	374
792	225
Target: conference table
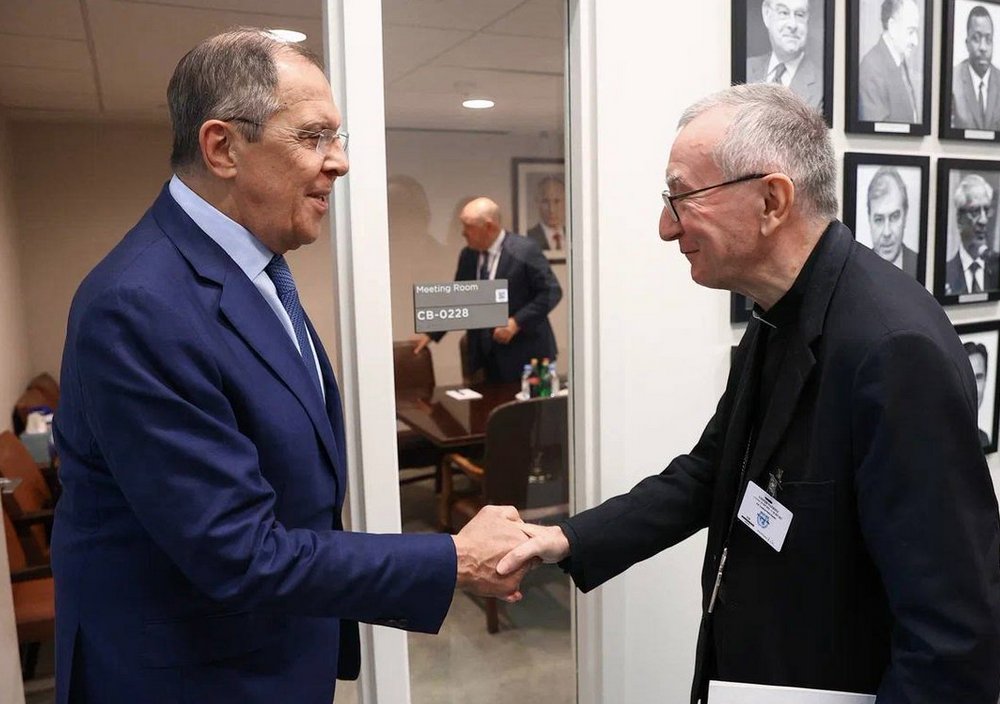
449	422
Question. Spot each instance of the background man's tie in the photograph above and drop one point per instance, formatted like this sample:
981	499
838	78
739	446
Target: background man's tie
278	271
976	288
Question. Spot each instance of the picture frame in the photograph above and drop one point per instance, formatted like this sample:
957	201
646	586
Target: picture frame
885	206
740	308
889	68
755	30
538	194
982	344
966	235
963	116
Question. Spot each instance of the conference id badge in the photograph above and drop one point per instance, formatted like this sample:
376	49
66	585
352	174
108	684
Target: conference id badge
765	516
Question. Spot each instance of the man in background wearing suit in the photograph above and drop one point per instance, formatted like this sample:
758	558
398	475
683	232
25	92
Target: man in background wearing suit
886	92
533	290
549	233
888	206
787	23
848	420
978	359
198	548
975	268
975	83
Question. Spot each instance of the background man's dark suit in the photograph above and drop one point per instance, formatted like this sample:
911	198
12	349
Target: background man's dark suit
955	274
889	572
965	113
807	82
534	291
204	474
882	93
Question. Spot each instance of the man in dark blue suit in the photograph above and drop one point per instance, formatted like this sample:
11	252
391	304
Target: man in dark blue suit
849	419
198	549
533	290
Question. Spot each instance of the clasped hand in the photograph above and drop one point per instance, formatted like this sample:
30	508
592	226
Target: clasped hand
496	549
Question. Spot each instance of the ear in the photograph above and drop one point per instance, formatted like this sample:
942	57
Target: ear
217	141
779	198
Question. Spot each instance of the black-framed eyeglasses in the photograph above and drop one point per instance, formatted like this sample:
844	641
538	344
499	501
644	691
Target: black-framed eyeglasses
669	199
325	138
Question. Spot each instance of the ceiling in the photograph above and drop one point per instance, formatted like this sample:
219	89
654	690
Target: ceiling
110	60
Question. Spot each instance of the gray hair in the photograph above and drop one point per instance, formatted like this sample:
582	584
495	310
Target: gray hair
879	186
231	76
970	182
775	130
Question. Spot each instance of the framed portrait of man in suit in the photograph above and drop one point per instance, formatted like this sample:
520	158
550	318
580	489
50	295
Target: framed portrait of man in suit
885	205
538	189
970	77
788	42
982	344
966	258
889	66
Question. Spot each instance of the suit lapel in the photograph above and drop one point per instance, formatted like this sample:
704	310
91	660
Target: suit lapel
251	317
504	264
799	360
334	410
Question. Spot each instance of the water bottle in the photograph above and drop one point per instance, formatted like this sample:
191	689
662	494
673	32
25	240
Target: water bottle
553	378
545	382
526	382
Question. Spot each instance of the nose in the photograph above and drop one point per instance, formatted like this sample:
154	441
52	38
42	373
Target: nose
335	160
670	229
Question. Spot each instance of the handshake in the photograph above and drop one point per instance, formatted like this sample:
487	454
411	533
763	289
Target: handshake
496	549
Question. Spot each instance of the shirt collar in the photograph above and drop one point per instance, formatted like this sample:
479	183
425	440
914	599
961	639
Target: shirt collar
967	258
977	79
495	247
791	66
247	251
892	51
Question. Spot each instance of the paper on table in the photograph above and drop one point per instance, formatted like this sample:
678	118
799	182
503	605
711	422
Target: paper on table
464	394
742	693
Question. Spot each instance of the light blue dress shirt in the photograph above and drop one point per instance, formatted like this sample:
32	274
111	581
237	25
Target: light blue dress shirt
247	251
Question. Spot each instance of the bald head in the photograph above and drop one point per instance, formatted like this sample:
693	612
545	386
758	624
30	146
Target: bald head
480	223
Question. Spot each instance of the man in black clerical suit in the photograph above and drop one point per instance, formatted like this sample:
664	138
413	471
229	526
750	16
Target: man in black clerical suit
975	268
849	418
533	290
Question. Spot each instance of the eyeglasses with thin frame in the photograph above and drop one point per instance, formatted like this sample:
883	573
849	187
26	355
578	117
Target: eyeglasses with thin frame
669	199
325	138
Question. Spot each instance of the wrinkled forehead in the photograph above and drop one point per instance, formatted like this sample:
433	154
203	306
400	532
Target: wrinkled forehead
692	153
793	6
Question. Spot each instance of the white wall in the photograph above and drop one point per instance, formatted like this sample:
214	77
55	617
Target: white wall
450	167
15	367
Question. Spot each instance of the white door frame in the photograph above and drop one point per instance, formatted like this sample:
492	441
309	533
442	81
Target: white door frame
353	47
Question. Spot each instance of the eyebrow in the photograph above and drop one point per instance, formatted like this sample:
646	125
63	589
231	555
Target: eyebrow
674	181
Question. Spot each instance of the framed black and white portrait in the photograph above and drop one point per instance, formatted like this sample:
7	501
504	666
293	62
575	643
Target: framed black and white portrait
539	193
970	79
966	263
889	66
788	42
885	205
982	343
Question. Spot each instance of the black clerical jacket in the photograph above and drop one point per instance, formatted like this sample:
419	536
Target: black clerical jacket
889	578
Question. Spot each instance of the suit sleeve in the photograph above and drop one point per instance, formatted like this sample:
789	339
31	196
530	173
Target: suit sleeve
157	404
545	289
928	516
659	512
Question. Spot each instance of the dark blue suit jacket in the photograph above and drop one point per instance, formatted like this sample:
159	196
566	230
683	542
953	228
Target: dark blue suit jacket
198	549
533	290
888	578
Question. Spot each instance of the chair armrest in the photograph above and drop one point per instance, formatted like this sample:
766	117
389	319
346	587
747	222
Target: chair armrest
30	518
30	573
466	465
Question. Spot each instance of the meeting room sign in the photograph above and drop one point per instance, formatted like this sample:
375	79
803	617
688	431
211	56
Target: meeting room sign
460	305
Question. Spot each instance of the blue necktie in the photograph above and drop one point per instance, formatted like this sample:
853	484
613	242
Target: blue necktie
278	271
